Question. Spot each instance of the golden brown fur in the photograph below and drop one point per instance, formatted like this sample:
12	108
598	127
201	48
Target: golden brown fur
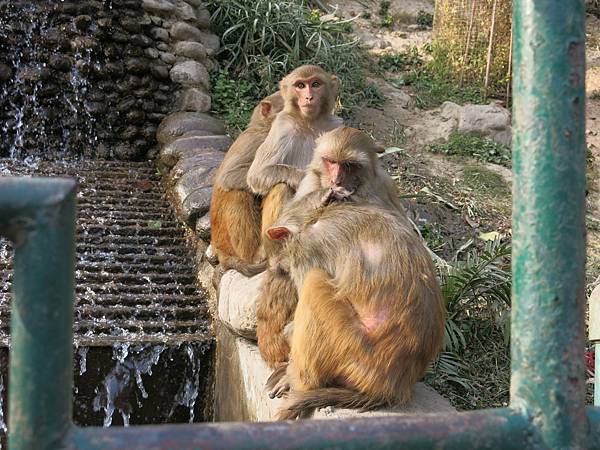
235	210
370	316
365	180
309	94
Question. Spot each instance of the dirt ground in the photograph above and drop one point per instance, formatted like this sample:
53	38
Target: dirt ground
400	123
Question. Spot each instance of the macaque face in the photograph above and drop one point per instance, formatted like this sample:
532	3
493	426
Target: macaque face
342	177
309	93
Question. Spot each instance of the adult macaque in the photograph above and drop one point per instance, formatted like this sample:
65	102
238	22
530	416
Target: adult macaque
234	209
309	94
344	167
370	316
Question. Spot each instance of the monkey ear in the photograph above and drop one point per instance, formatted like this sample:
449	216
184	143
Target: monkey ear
278	233
335	81
265	108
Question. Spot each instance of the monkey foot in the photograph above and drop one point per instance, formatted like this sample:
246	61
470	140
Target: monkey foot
278	383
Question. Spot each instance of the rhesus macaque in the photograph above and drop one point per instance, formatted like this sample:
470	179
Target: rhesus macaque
234	209
344	167
309	94
370	315
309	97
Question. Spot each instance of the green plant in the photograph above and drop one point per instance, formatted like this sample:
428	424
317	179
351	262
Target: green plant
401	61
477	296
424	19
480	148
263	40
384	7
228	91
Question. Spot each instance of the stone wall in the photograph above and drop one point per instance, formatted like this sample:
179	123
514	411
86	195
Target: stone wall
96	78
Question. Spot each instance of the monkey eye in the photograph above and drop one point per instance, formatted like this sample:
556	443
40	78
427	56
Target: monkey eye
300	85
316	84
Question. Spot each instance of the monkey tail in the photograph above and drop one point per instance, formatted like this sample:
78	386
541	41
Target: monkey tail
246	269
302	403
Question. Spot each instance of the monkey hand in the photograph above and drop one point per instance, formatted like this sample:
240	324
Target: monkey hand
278	383
341	193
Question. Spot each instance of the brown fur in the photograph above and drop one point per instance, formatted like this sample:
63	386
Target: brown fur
275	173
234	209
370	316
367	181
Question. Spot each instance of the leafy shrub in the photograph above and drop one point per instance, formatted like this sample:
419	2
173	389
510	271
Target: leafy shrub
401	61
480	148
424	19
263	40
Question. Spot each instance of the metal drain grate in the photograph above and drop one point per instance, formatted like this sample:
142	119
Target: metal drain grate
135	280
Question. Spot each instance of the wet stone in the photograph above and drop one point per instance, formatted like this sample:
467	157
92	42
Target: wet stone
190	73
141	41
167	57
159	34
151	52
207	159
131	25
203	227
181	31
158	7
136	65
82	22
191	146
114	69
195	205
5	72
179	123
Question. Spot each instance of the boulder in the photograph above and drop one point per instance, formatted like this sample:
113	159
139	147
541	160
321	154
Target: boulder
237	302
492	121
190	73
179	123
195	205
190	49
203	227
189	146
206	158
194	99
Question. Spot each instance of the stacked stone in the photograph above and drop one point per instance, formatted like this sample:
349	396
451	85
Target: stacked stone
97	78
192	143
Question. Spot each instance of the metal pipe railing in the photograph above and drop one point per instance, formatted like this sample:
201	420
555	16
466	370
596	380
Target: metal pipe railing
547	385
38	215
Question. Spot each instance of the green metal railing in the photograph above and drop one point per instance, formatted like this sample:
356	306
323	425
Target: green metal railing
547	386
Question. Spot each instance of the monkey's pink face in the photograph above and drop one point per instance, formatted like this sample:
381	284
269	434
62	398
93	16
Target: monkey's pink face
310	93
340	176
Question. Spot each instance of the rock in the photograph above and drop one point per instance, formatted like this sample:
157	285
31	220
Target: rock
237	302
178	123
206	158
167	57
210	256
136	65
203	227
194	99
140	40
59	62
190	49
5	72
195	205
198	177
126	152
181	31
159	34
151	53
190	73
158	7
82	22
160	71
491	121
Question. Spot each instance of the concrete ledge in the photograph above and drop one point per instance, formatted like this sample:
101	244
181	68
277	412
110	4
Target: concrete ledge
240	392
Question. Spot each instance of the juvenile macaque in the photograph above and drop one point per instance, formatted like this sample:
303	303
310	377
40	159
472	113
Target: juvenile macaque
370	315
309	94
344	167
234	208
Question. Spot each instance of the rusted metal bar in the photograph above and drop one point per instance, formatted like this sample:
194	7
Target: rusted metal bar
547	382
38	215
492	429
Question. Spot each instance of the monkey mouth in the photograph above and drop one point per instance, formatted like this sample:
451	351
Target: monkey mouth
341	193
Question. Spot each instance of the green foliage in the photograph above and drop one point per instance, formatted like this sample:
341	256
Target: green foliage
233	99
400	62
424	19
477	296
263	40
480	148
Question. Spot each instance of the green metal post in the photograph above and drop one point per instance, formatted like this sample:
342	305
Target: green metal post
38	215
547	381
